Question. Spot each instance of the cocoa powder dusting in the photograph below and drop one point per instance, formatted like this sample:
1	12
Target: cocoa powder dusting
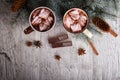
101	24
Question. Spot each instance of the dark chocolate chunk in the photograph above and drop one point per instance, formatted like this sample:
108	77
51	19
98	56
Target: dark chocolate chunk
58	38
29	43
62	44
57	57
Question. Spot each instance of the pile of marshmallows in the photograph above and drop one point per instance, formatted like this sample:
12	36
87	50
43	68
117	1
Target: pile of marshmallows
75	20
42	19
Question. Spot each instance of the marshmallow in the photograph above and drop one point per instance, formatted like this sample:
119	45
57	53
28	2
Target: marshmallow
42	27
74	14
76	27
68	21
44	13
36	21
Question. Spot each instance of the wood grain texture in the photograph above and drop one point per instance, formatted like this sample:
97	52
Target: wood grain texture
30	63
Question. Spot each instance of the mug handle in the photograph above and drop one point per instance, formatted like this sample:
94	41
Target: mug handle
28	30
88	33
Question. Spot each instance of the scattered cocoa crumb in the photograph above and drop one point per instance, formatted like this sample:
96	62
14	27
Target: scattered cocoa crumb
29	43
37	44
57	57
81	51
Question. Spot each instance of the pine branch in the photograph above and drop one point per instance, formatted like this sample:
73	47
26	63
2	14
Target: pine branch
115	4
8	1
15	17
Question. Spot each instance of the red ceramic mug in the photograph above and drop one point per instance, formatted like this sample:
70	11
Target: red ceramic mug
41	19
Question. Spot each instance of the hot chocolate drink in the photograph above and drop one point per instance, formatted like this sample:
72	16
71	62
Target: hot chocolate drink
75	20
42	19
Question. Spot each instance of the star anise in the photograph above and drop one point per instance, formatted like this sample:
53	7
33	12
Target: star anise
81	51
37	44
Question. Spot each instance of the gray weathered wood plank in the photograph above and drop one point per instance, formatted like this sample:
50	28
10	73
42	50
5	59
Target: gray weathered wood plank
30	63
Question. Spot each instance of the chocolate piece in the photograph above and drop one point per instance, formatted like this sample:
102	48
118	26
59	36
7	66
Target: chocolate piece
62	44
58	38
57	57
29	43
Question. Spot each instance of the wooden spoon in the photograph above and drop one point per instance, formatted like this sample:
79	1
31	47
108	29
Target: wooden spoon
103	25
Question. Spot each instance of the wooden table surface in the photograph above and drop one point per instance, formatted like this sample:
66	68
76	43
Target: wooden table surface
31	63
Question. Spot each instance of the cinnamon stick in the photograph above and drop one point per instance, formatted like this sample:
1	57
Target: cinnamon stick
17	5
93	47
